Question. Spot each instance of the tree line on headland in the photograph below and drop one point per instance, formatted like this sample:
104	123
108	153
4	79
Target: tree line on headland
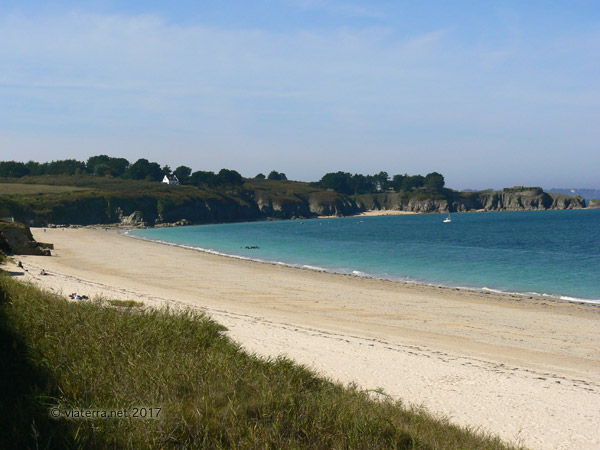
346	183
107	166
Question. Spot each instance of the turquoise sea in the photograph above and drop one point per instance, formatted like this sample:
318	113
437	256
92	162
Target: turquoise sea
542	252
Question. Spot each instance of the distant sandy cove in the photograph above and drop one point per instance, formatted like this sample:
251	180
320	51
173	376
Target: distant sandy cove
527	369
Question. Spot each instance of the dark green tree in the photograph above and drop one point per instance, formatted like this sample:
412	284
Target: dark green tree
102	170
34	168
434	181
13	169
62	167
413	182
382	181
116	166
337	181
202	178
142	169
231	178
397	181
182	173
362	184
274	175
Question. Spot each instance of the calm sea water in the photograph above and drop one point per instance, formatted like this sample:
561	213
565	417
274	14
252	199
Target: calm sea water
542	252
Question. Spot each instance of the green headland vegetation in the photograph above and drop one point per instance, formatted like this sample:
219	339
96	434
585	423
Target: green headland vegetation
108	190
190	386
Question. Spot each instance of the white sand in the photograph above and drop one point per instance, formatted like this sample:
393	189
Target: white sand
384	212
525	369
377	212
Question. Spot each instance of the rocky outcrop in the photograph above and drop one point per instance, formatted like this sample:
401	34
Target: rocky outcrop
135	219
594	203
279	208
301	206
395	201
525	200
179	223
561	201
338	206
17	239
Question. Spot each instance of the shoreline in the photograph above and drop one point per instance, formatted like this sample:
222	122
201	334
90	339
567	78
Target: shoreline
527	370
480	290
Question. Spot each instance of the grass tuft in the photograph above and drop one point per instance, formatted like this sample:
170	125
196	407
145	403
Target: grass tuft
125	303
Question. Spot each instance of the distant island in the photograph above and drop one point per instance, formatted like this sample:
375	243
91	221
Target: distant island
107	190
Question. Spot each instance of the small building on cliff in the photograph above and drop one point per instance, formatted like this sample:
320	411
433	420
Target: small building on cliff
170	179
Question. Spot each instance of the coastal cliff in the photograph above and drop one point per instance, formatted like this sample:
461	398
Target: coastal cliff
92	201
511	199
150	204
297	206
521	200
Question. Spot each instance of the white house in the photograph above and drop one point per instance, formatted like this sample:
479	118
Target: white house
170	179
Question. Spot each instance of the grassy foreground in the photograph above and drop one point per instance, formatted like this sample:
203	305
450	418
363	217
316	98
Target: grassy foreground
212	394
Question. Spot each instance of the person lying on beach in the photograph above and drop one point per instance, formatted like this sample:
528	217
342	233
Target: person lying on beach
43	272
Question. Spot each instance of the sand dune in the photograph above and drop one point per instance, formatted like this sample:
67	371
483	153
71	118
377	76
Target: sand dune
527	369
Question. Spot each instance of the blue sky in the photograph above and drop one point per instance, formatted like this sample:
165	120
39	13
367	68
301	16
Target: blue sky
490	94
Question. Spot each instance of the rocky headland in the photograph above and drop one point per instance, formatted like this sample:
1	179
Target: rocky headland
184	205
510	199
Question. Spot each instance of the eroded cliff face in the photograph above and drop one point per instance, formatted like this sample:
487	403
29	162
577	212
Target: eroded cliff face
299	206
526	200
147	210
339	206
260	205
17	239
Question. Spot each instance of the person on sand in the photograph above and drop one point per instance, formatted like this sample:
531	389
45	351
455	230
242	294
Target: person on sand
43	272
20	265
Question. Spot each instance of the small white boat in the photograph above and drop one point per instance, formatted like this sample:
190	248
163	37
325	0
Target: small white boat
447	219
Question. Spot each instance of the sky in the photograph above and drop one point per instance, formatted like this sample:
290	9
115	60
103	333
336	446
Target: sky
490	94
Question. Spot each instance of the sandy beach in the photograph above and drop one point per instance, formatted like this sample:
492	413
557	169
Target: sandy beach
377	212
384	212
525	368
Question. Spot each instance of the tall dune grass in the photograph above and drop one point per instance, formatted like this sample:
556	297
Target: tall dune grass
211	394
